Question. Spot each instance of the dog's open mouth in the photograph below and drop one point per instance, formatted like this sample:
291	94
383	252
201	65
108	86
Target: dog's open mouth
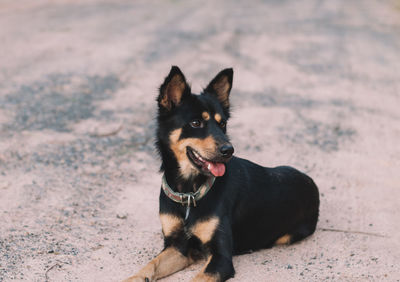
214	168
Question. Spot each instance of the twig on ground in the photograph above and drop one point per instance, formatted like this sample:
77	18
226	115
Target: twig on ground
46	274
107	134
353	232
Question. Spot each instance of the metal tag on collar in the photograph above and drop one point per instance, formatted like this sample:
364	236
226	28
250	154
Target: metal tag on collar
187	212
190	196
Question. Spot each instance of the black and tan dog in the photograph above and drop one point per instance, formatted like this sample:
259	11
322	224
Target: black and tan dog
214	205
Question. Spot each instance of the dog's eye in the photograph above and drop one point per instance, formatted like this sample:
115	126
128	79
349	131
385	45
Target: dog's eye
196	123
222	123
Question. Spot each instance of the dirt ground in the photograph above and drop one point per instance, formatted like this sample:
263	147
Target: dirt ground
317	87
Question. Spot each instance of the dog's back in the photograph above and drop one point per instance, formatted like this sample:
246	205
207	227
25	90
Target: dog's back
268	204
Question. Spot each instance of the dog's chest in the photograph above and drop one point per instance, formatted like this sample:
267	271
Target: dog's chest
203	229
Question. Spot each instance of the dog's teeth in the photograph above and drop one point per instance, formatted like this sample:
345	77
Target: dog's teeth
198	156
209	166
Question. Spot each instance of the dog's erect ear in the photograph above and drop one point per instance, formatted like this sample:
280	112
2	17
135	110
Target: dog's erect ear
221	86
173	89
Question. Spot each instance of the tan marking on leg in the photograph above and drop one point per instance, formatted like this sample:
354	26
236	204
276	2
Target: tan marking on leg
178	147
167	262
218	118
284	240
203	269
203	276
170	223
204	230
205	116
206	277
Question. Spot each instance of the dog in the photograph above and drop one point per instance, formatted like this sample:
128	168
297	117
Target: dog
214	205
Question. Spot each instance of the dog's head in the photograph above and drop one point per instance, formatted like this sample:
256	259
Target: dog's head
192	128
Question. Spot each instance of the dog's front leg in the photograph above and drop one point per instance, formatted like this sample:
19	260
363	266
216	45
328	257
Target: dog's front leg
219	266
170	260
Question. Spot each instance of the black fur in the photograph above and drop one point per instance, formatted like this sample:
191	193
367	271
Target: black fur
255	205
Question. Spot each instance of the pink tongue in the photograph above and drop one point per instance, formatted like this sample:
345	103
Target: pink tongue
217	169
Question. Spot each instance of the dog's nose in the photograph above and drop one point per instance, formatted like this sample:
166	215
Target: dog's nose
226	150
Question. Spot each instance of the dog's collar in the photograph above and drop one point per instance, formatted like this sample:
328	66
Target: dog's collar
187	198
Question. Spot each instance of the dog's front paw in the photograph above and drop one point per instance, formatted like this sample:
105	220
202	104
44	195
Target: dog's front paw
137	279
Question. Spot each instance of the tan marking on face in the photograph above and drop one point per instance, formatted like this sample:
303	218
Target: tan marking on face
174	136
205	116
218	118
204	230
170	223
167	262
202	146
284	240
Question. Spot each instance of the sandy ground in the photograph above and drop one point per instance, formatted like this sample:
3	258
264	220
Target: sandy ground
316	86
